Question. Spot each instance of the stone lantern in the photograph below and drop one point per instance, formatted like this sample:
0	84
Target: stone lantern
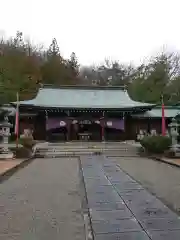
140	136
174	134
5	133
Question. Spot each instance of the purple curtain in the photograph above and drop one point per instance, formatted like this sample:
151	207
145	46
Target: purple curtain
52	123
115	123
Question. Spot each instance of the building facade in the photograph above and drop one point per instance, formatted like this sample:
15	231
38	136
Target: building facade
152	120
81	113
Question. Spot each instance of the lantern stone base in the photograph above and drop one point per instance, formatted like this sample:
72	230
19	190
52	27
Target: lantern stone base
6	156
176	149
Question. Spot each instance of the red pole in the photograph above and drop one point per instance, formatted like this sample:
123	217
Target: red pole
163	119
17	121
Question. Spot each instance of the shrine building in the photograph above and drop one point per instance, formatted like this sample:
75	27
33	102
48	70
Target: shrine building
89	113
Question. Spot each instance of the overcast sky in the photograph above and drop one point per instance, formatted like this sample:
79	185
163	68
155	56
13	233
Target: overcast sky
128	30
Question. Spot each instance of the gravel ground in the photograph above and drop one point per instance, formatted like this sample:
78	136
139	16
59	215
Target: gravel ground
160	179
42	201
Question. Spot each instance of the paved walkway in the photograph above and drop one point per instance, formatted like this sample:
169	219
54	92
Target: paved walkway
42	201
120	208
161	179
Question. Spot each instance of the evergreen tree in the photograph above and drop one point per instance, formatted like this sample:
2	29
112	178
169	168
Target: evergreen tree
73	64
53	50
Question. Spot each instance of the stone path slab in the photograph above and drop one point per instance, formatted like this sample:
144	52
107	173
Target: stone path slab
125	225
42	202
123	236
161	179
120	208
165	235
114	215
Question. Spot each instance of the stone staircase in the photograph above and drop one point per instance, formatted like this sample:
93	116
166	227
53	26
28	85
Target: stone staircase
51	150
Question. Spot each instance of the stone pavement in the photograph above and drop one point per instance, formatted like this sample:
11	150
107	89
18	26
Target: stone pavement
161	179
42	201
120	208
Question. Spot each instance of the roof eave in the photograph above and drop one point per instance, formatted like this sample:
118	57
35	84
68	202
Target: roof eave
142	107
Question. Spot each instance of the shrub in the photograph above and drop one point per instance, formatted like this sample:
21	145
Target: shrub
156	144
27	142
21	152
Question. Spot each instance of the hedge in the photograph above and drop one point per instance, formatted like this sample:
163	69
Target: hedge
27	142
156	144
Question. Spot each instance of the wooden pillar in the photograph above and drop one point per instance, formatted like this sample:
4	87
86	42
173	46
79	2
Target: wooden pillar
148	126
102	128
68	126
46	119
125	128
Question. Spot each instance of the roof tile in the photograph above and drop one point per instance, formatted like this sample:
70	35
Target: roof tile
83	98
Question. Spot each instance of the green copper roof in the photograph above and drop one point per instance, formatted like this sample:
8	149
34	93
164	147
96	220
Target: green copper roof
170	112
84	97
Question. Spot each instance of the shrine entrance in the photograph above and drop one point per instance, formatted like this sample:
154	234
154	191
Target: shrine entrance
57	134
86	130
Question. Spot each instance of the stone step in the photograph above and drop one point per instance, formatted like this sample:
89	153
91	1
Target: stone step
86	146
79	153
55	150
85	150
80	148
74	154
63	154
91	149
